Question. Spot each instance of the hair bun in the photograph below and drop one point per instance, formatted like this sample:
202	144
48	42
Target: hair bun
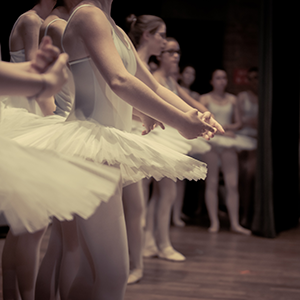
130	20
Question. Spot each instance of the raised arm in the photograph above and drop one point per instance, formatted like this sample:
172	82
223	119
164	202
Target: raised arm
97	39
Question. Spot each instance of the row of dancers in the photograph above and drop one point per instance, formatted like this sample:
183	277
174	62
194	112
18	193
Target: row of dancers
90	131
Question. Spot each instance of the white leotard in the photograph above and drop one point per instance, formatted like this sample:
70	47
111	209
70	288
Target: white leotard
94	98
65	98
18	57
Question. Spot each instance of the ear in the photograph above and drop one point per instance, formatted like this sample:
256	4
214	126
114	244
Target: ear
146	35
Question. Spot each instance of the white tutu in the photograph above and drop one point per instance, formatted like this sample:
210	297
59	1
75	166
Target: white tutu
38	185
136	157
239	142
171	138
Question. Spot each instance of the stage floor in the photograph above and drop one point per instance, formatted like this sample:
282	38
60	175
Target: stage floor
223	266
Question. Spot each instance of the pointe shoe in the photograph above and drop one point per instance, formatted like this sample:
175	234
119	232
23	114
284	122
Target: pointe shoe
169	253
241	230
150	251
135	276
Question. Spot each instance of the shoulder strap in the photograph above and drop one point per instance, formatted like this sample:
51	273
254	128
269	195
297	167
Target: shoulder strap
47	27
17	21
71	16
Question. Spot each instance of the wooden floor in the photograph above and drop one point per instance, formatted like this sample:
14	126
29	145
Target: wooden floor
223	266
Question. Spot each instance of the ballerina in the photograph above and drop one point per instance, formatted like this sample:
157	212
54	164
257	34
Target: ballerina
224	149
186	79
45	184
103	63
23	44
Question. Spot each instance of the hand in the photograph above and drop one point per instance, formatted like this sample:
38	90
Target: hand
45	56
55	77
208	118
149	123
196	126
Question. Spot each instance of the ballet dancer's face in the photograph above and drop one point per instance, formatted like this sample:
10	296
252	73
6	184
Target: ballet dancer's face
170	57
188	75
253	80
219	80
157	41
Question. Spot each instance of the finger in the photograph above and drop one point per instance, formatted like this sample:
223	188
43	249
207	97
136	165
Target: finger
162	126
46	40
209	127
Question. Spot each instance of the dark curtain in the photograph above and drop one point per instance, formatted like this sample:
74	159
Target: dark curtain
277	180
263	221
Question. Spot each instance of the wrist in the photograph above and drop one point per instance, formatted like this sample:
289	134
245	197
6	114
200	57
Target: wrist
42	85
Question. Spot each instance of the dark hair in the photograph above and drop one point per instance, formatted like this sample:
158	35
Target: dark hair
214	70
138	25
182	68
59	3
253	69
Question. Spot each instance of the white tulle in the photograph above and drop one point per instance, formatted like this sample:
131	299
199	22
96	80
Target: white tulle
135	156
37	185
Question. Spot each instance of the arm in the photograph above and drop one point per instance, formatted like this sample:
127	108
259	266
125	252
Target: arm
252	122
29	32
26	79
236	125
97	39
188	99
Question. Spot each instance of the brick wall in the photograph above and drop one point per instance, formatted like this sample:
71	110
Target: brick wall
241	37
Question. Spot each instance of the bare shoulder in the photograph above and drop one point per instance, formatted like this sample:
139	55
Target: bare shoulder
30	20
158	77
231	98
205	99
92	13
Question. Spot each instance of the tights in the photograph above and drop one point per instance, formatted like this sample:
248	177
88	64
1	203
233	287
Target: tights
229	163
134	212
104	263
20	262
159	211
60	264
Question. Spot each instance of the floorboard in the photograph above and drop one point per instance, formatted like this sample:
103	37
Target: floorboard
223	266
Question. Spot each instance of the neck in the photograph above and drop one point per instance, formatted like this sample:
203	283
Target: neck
164	72
43	9
144	55
104	5
218	93
61	12
187	86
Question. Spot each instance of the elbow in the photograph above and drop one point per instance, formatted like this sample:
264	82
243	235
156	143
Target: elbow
118	82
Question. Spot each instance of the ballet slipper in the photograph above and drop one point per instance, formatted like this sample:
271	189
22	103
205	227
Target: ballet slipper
214	228
150	251
241	230
135	276
169	253
178	223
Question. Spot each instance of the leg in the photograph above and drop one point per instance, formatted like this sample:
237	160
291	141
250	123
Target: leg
104	264
229	161
248	187
20	262
167	195
48	275
211	189
177	207
150	248
70	258
133	203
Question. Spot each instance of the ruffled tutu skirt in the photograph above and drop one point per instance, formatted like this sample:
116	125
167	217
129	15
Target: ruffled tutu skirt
37	185
136	157
239	142
171	138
